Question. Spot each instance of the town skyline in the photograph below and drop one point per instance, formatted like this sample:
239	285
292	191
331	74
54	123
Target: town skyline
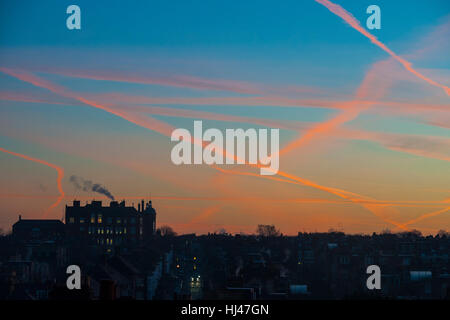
362	113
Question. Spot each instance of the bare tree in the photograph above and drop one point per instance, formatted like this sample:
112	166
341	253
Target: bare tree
166	231
221	231
442	233
264	230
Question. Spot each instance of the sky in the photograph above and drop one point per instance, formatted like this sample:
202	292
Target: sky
363	114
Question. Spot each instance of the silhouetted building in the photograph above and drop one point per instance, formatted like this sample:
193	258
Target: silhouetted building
116	225
36	230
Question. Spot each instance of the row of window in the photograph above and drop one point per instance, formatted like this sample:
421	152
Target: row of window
99	219
110	241
109	230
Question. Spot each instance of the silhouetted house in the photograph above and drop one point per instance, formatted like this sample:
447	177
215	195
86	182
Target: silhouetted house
36	230
110	226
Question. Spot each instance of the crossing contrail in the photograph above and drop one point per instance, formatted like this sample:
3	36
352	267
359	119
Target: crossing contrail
166	129
354	23
58	169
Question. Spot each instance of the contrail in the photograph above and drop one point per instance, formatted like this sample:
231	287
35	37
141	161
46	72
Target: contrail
205	214
425	216
355	107
354	23
180	81
142	121
428	146
256	101
350	112
350	196
166	129
58	169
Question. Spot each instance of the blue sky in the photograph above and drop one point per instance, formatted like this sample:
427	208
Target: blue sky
178	23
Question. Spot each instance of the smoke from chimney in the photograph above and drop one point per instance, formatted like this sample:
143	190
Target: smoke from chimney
87	185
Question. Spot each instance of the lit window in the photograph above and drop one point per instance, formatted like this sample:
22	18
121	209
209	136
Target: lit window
92	218
71	220
81	220
119	220
99	218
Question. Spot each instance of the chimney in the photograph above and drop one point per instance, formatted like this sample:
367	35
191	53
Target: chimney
142	205
96	203
139	207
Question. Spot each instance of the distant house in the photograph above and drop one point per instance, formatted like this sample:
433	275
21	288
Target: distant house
37	230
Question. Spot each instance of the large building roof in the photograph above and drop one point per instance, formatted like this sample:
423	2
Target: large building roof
42	222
